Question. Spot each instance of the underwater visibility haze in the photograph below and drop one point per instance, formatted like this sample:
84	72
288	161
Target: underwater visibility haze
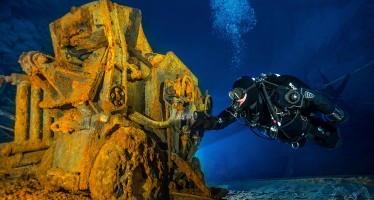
327	44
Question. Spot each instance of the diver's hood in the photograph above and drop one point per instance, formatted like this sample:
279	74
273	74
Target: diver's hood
248	85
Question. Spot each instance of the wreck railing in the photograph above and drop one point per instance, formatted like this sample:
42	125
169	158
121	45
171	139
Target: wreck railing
32	124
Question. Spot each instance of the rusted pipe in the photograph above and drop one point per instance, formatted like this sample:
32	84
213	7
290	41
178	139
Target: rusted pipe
12	148
35	113
140	57
31	158
21	123
168	137
14	79
186	169
5	79
47	122
143	120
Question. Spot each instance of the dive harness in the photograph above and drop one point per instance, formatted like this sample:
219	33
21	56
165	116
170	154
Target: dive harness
292	97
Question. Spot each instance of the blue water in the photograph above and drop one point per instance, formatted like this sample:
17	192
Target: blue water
221	40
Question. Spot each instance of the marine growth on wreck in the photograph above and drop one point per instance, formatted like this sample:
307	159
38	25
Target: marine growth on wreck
106	115
97	108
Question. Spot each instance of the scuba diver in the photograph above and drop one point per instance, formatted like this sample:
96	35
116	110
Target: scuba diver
280	107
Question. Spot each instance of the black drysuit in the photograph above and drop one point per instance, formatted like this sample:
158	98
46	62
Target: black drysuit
287	110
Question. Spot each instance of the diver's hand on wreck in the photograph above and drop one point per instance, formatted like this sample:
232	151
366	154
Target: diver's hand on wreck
202	121
197	127
201	124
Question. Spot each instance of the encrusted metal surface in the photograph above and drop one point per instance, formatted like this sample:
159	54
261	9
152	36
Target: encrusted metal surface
106	114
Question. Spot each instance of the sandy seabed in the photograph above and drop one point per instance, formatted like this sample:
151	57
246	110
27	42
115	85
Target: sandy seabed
316	188
334	188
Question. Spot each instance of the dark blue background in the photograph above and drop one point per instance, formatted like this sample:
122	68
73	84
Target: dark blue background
302	38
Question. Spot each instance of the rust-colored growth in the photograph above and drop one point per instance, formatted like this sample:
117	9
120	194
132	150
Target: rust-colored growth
106	114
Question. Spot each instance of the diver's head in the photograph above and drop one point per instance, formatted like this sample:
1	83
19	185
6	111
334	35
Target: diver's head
244	92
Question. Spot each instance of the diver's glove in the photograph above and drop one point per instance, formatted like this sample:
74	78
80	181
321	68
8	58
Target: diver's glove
202	121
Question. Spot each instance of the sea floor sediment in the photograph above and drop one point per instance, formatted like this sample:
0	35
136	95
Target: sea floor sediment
347	187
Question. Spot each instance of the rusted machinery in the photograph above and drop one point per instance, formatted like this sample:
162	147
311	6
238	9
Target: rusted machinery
106	115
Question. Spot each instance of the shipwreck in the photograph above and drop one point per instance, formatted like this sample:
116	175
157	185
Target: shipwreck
106	115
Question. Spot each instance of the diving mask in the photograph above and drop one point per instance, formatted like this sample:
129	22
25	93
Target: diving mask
236	94
239	93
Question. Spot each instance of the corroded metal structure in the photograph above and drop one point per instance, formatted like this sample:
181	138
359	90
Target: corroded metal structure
106	114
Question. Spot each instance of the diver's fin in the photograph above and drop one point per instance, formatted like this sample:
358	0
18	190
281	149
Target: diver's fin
342	86
329	89
343	77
